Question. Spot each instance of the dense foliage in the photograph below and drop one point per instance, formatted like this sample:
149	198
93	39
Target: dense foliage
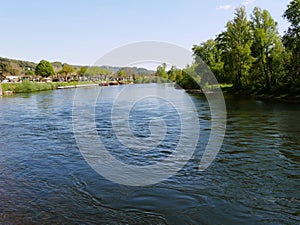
291	41
250	54
27	87
44	69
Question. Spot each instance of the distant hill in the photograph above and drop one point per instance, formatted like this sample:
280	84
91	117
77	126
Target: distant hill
132	70
4	63
18	67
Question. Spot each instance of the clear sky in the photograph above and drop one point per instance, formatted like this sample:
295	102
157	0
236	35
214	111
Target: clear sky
80	32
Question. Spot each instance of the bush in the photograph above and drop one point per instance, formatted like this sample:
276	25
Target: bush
27	86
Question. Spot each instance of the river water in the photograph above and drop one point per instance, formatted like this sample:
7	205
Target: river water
44	179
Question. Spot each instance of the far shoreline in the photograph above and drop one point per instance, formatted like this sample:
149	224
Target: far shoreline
31	87
7	89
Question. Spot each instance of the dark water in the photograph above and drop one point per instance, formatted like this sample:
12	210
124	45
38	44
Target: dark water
44	179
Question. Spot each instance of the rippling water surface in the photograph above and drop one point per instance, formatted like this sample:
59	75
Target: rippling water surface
44	179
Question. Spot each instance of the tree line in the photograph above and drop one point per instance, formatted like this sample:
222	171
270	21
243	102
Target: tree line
56	70
67	72
250	54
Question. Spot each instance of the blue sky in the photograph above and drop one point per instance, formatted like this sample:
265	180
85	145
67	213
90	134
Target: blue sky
80	32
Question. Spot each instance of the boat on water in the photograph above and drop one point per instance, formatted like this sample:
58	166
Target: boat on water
104	83
113	82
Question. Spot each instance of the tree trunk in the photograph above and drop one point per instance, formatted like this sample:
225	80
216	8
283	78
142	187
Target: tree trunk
267	77
238	85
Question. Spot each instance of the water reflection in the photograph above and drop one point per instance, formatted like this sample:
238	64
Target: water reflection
44	179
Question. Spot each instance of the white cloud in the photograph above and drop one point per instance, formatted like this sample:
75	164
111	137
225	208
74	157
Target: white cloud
225	7
248	2
228	6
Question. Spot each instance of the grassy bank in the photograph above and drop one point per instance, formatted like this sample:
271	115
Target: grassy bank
28	86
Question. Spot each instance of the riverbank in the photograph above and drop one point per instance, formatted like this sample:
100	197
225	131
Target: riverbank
275	95
77	86
27	86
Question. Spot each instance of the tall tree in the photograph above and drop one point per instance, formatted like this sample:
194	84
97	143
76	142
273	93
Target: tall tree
267	47
174	74
235	44
66	71
161	71
211	55
82	71
291	38
121	74
44	68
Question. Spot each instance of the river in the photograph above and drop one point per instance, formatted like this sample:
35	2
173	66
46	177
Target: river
44	179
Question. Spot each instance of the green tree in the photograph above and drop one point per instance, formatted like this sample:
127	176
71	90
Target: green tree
81	72
96	71
291	38
172	73
161	71
235	45
121	74
29	72
44	68
66	71
211	55
188	78
267	48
